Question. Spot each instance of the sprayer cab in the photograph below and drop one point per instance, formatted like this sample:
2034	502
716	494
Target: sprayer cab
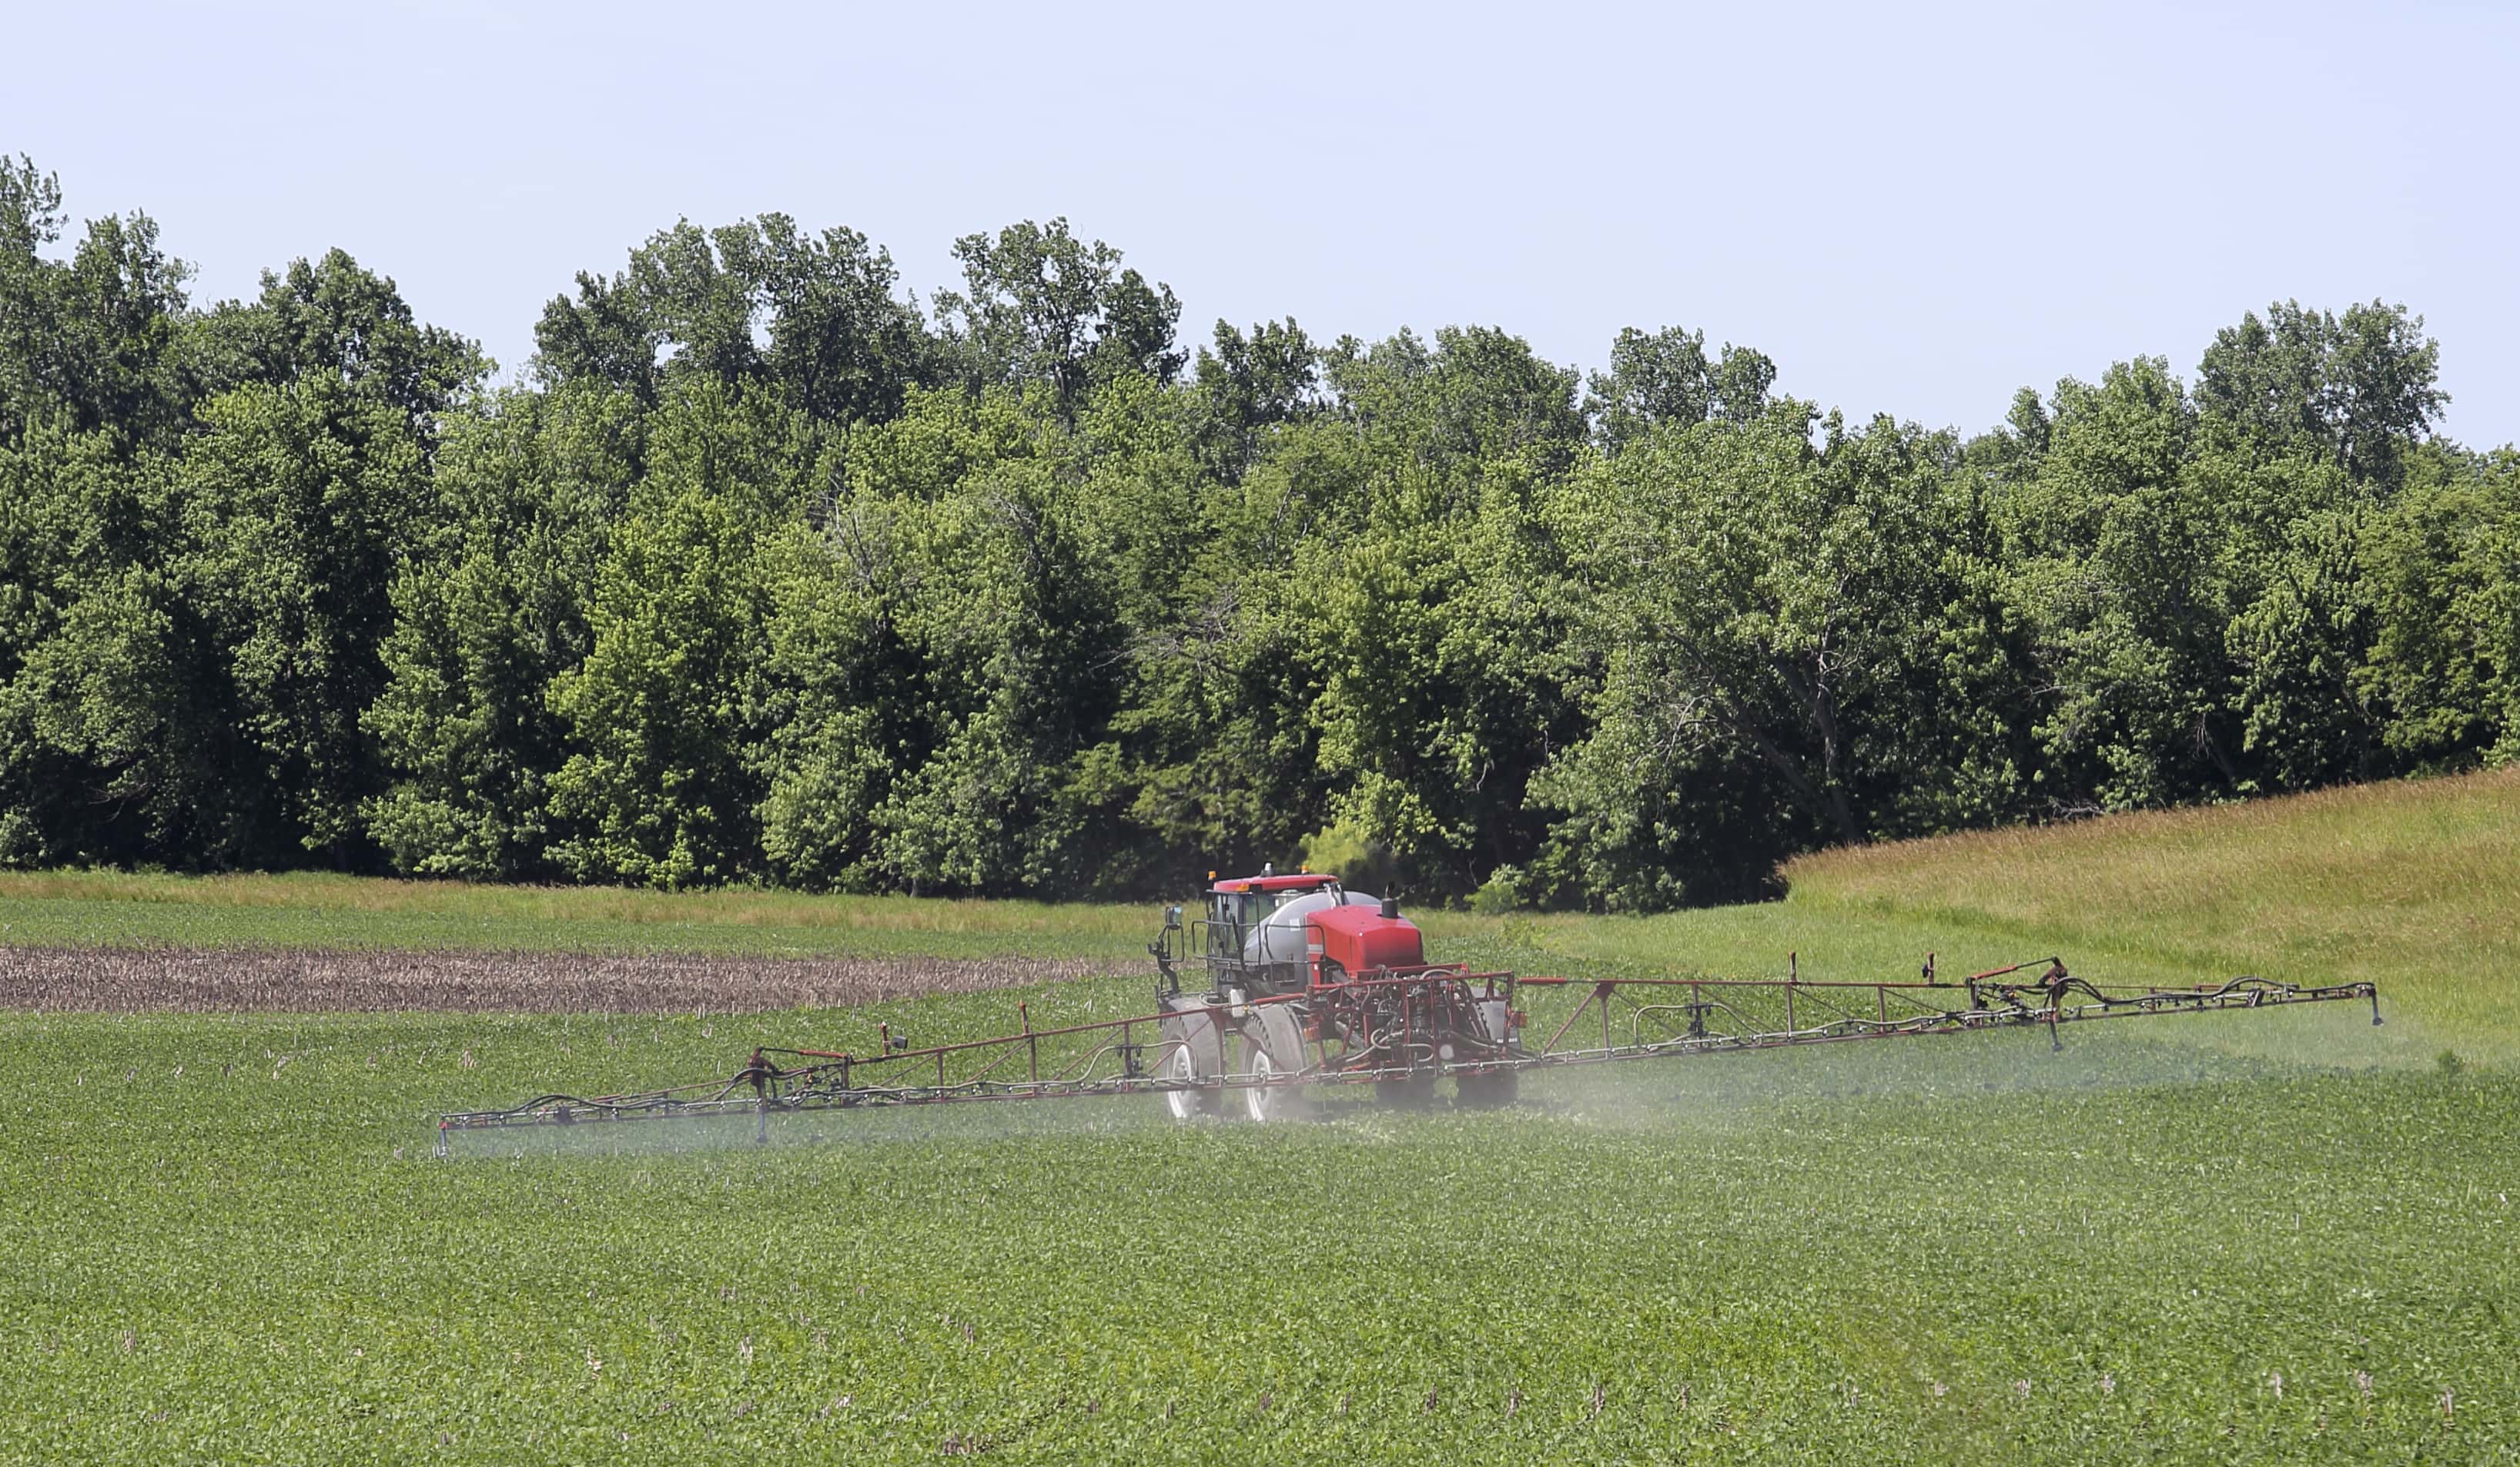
1269	934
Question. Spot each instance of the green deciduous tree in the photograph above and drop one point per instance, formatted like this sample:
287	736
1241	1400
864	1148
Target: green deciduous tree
2442	571
1423	600
660	791
486	616
760	304
1013	628
114	743
1040	306
2115	545
91	338
332	322
2362	385
762	575
297	504
1249	385
1666	377
1797	621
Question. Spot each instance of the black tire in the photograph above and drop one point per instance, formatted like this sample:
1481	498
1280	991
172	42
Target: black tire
1194	1049
1415	1093
1487	1091
1272	1044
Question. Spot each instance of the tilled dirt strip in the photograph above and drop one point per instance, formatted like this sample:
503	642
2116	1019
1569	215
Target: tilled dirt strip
195	981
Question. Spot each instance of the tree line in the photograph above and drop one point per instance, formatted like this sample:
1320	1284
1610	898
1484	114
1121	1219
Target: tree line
767	572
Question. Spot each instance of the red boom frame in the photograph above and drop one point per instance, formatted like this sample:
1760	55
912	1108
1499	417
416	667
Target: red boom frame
1405	1024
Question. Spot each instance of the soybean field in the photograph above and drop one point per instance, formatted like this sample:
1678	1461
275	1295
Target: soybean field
2285	1236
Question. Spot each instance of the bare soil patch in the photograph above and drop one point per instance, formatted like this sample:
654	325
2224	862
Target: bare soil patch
194	981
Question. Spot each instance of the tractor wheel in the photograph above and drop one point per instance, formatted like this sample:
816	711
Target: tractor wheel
1415	1093
1486	1091
1272	1045
1194	1050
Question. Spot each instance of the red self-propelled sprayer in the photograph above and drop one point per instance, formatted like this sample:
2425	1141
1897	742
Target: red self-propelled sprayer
1285	983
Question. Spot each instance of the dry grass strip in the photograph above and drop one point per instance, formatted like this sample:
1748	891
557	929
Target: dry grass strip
195	981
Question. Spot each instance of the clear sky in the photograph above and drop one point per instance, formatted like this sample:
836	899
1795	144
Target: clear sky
1911	212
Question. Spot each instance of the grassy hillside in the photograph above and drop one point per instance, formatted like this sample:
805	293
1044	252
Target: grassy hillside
2415	886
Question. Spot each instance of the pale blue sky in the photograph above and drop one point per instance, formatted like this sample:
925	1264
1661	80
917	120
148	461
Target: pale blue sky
1914	213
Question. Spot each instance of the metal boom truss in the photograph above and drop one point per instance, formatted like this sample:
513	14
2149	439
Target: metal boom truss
1380	1026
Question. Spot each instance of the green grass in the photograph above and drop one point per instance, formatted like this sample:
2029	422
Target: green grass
2415	885
225	1239
1778	1259
90	908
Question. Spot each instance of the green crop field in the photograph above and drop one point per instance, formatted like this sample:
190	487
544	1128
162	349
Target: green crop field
2280	1236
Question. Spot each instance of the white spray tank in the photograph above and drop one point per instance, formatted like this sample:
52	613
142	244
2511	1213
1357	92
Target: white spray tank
1278	938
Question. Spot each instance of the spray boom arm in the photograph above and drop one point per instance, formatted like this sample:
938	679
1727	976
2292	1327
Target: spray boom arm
1406	1023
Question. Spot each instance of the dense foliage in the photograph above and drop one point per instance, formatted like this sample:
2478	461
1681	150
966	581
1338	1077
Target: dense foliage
766	572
